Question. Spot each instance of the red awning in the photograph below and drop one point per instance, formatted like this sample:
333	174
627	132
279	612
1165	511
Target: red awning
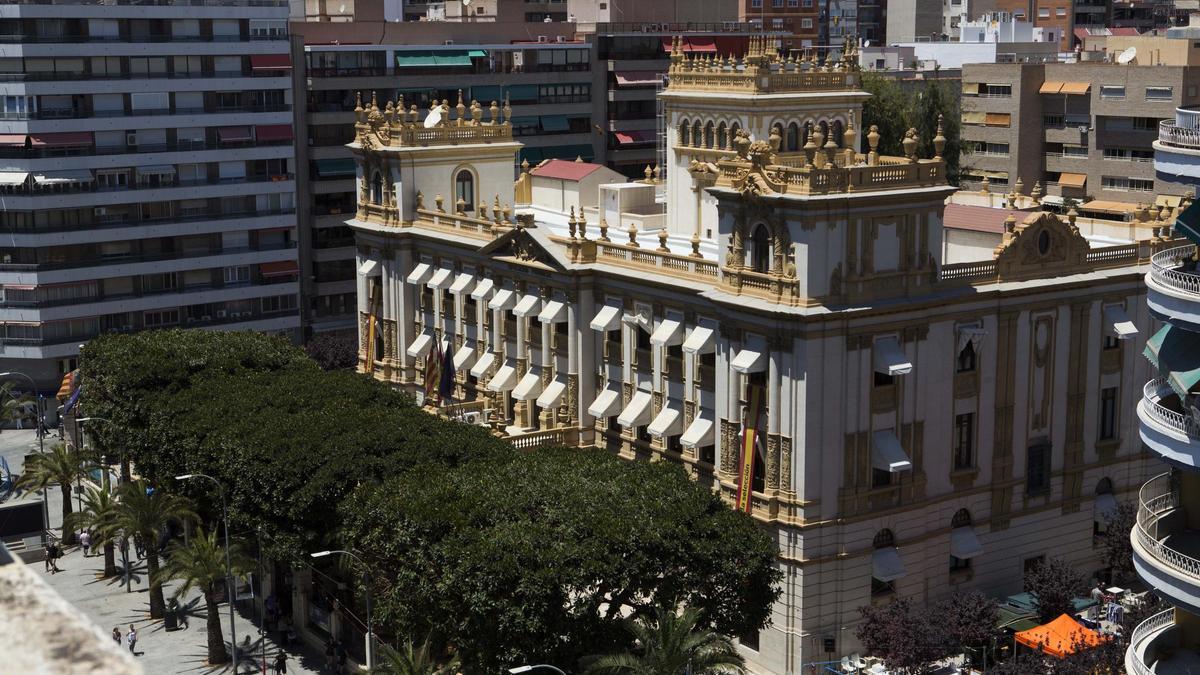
692	44
731	44
9	140
230	134
283	268
638	78
273	132
270	62
61	140
634	137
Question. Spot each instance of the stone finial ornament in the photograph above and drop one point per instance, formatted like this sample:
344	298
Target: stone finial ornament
939	141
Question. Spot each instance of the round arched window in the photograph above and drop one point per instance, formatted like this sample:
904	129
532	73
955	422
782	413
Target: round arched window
760	250
464	190
884	539
376	188
962	518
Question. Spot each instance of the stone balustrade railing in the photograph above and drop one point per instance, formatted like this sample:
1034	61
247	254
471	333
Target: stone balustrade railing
1169	133
1165	268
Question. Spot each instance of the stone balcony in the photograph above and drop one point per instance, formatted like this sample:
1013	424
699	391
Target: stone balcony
1166	426
1173	287
1166	547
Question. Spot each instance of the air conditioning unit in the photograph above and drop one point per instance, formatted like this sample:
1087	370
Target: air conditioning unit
543	38
220	314
472	417
448	42
206	317
560	38
131	138
190	319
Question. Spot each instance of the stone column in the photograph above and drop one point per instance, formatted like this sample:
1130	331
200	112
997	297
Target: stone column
773	416
572	395
521	408
546	417
406	310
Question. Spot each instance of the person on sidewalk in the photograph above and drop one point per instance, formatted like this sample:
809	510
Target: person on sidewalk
116	635
131	638
48	556
281	663
85	543
54	554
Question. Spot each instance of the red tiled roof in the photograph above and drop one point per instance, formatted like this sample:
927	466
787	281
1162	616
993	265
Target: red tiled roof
565	169
978	218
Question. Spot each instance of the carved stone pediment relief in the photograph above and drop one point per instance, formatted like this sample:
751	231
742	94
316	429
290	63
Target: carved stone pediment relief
522	247
1043	245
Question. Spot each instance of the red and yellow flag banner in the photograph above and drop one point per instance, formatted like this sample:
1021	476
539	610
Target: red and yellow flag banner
369	349
749	441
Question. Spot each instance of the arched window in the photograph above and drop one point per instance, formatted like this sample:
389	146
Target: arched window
838	129
464	190
760	249
708	135
1105	508
885	563
963	544
379	345
792	142
1104	486
823	127
966	358
685	133
697	138
884	539
722	136
376	188
962	518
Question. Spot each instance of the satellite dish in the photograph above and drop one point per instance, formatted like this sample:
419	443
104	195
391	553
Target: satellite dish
434	117
866	43
1127	56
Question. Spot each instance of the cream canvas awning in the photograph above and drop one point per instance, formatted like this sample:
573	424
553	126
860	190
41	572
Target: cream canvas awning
886	564
483	364
483	289
420	346
370	268
554	311
63	177
668	422
888	357
463	283
1117	322
552	394
529	387
669	332
699	433
420	274
608	318
1072	180
527	305
1076	88
13	177
503	299
504	379
701	340
972	334
440	280
964	544
749	361
637	412
973	117
887	454
1050	87
464	357
606	404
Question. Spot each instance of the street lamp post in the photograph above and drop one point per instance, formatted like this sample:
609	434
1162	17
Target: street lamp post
370	621
41	434
228	563
525	669
79	421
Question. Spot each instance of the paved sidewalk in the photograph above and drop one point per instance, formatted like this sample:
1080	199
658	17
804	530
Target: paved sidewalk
108	604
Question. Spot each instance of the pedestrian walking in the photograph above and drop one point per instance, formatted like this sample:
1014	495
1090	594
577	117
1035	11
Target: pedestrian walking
330	657
85	543
139	547
48	556
55	554
340	650
116	635
131	638
281	663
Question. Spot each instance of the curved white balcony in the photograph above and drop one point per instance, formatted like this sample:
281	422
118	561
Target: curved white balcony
1152	645
1173	287
1166	427
1166	553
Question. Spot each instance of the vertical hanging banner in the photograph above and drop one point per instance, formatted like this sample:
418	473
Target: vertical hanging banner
369	348
749	441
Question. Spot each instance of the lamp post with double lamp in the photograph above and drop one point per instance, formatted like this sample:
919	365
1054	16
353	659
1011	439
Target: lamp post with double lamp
41	434
367	579
525	669
228	564
83	441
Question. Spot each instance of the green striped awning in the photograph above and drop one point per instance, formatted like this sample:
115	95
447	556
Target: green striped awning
485	94
1188	223
477	53
417	59
1154	344
427	58
1176	354
522	92
342	167
555	123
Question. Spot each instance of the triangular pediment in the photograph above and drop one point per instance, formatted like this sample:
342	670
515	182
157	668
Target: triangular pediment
526	245
1042	246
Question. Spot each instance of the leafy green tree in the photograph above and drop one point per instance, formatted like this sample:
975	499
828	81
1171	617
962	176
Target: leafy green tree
412	659
146	513
200	564
98	515
333	350
1055	584
896	107
670	643
62	466
968	619
540	555
12	405
1118	548
907	638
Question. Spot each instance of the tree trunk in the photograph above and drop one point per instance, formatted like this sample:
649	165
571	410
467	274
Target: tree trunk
110	560
217	653
157	603
68	536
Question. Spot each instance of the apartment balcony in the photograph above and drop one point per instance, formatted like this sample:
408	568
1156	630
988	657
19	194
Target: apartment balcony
1154	645
1173	287
1166	548
1166	426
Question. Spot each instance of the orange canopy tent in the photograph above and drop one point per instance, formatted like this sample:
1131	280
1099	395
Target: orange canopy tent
1060	637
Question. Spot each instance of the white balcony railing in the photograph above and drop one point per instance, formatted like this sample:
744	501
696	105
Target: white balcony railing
1170	133
1152	394
1165	268
1156	500
1135	661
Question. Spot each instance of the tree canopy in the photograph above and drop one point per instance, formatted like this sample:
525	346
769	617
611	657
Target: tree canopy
1055	584
895	107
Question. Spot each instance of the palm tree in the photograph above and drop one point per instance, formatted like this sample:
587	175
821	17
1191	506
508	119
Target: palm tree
98	513
61	466
670	644
412	659
146	513
13	406
200	563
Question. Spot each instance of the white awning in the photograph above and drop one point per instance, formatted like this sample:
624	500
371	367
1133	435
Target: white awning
668	422
463	283
886	564
554	311
440	280
1116	322
483	364
887	454
528	305
970	334
63	177
503	299
1104	509
482	289
700	341
889	358
504	379
370	268
606	404
552	394
529	387
420	346
608	318
637	412
963	543
749	361
464	357
669	332
155	170
699	433
420	274
13	177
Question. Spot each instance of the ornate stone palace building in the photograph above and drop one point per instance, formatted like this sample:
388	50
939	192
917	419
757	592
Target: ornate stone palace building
927	427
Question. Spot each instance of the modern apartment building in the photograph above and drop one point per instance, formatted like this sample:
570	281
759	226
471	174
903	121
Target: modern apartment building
802	18
1082	131
1057	14
146	162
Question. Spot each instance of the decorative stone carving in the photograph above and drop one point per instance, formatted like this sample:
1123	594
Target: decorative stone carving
772	462
785	464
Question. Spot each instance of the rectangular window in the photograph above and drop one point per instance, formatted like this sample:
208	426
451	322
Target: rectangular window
777	3
1112	92
1037	469
1112	342
278	303
1126	184
806	23
165	317
793	3
1108	413
964	441
1160	93
1060	11
996	91
756	4
1044	13
237	275
998	119
1129	155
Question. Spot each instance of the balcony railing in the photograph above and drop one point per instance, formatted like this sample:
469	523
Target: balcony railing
1135	661
1154	391
1175	268
1170	133
135	258
1156	500
156	3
